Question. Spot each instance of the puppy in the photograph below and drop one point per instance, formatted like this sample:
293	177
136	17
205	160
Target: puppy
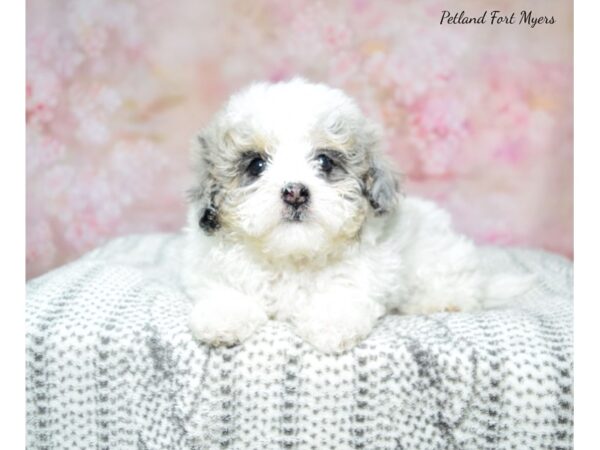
297	216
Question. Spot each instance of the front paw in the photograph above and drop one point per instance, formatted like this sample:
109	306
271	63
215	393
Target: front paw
226	318
335	325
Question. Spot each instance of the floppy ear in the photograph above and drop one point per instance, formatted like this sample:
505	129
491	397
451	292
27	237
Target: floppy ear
206	194
382	186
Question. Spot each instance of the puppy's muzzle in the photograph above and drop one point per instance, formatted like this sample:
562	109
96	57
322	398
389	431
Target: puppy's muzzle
295	194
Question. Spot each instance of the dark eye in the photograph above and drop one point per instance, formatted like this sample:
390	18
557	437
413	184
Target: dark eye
256	166
325	163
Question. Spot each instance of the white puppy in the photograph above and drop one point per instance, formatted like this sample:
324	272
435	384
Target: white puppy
297	216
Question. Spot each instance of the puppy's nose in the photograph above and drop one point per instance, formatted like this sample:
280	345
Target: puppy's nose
295	194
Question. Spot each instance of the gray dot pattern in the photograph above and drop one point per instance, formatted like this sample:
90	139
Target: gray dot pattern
112	365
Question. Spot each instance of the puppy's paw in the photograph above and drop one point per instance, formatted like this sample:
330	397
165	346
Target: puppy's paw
334	325
227	317
430	302
444	291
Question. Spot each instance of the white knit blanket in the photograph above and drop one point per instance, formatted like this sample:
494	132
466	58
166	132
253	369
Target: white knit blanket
112	365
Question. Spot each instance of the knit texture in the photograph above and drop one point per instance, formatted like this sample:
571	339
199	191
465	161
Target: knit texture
111	364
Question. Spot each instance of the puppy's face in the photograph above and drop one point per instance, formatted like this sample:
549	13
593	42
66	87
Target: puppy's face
292	169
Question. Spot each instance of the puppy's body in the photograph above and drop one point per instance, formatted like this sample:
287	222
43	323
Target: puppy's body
410	262
302	222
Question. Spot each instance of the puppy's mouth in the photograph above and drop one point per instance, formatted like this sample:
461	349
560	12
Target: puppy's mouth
295	214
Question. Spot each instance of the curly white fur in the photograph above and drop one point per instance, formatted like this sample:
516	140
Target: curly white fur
332	267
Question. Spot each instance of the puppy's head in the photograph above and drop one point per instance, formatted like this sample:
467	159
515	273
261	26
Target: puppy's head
293	169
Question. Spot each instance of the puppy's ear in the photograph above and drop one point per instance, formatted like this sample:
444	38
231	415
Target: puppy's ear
382	186
381	183
205	195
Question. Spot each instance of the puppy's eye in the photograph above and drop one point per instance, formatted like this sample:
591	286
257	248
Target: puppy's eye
325	163
256	166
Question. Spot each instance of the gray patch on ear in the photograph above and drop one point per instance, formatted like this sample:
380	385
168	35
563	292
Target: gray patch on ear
209	220
208	212
381	188
205	194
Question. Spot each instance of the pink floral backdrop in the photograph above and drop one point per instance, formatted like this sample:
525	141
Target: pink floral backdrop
478	117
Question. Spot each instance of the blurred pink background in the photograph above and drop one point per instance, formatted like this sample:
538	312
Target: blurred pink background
479	117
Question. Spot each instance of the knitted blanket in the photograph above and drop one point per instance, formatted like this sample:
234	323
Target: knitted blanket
112	365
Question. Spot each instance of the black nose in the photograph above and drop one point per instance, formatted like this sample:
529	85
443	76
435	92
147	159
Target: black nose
295	194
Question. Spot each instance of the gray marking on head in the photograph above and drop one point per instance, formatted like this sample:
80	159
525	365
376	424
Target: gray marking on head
358	140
